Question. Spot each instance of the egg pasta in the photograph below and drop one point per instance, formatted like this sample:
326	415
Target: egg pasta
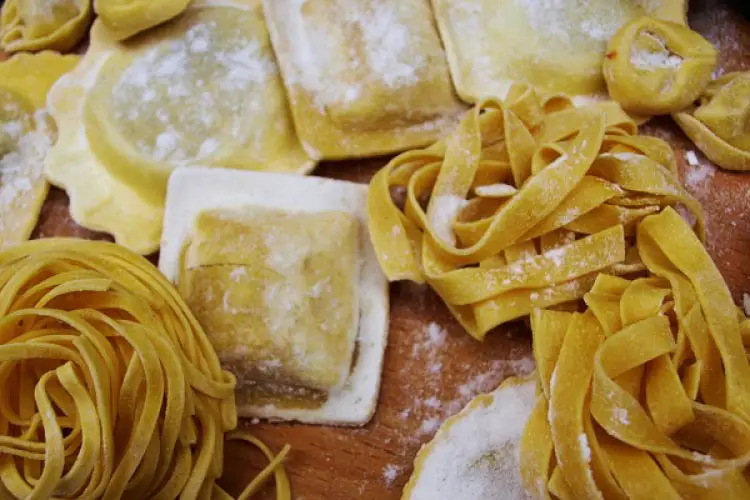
718	125
574	183
32	25
657	67
112	388
646	394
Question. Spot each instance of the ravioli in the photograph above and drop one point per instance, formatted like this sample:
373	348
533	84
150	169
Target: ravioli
555	46
364	77
277	290
475	453
280	273
202	89
31	25
125	18
26	135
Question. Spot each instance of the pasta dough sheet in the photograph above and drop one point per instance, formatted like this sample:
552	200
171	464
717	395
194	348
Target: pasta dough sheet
202	89
277	290
556	46
281	273
364	77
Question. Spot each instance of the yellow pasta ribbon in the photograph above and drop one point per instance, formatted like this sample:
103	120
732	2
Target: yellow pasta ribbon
112	389
32	25
655	67
646	394
719	125
522	205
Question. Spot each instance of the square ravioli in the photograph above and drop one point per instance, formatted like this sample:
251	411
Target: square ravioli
279	271
556	46
364	77
277	290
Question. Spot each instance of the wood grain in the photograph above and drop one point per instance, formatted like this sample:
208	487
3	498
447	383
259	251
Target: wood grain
432	367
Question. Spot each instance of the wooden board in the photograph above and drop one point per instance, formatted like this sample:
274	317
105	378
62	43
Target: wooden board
433	368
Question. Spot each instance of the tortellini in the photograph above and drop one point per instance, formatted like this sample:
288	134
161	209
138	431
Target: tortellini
720	124
655	67
125	18
32	25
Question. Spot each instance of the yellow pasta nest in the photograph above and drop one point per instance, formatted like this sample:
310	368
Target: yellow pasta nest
31	25
525	203
655	67
719	125
646	394
125	18
110	385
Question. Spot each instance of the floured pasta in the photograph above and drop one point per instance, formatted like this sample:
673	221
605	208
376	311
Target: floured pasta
646	394
125	18
364	77
475	454
202	89
719	124
26	135
657	67
111	388
280	273
556	46
31	25
582	179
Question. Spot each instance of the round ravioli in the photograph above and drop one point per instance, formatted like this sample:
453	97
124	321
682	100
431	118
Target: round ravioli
476	454
202	89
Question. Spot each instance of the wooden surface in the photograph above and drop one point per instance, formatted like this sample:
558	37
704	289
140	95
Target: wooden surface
432	368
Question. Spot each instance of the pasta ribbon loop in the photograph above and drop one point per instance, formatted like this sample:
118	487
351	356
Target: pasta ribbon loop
656	67
646	394
522	205
113	389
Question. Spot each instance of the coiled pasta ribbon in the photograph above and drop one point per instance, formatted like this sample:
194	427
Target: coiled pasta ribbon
525	202
720	124
646	394
110	387
655	67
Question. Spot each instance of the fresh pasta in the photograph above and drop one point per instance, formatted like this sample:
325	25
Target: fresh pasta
112	388
646	394
718	125
125	18
655	67
573	184
32	25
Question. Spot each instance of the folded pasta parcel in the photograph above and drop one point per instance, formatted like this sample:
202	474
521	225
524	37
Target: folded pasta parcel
202	89
280	273
364	77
